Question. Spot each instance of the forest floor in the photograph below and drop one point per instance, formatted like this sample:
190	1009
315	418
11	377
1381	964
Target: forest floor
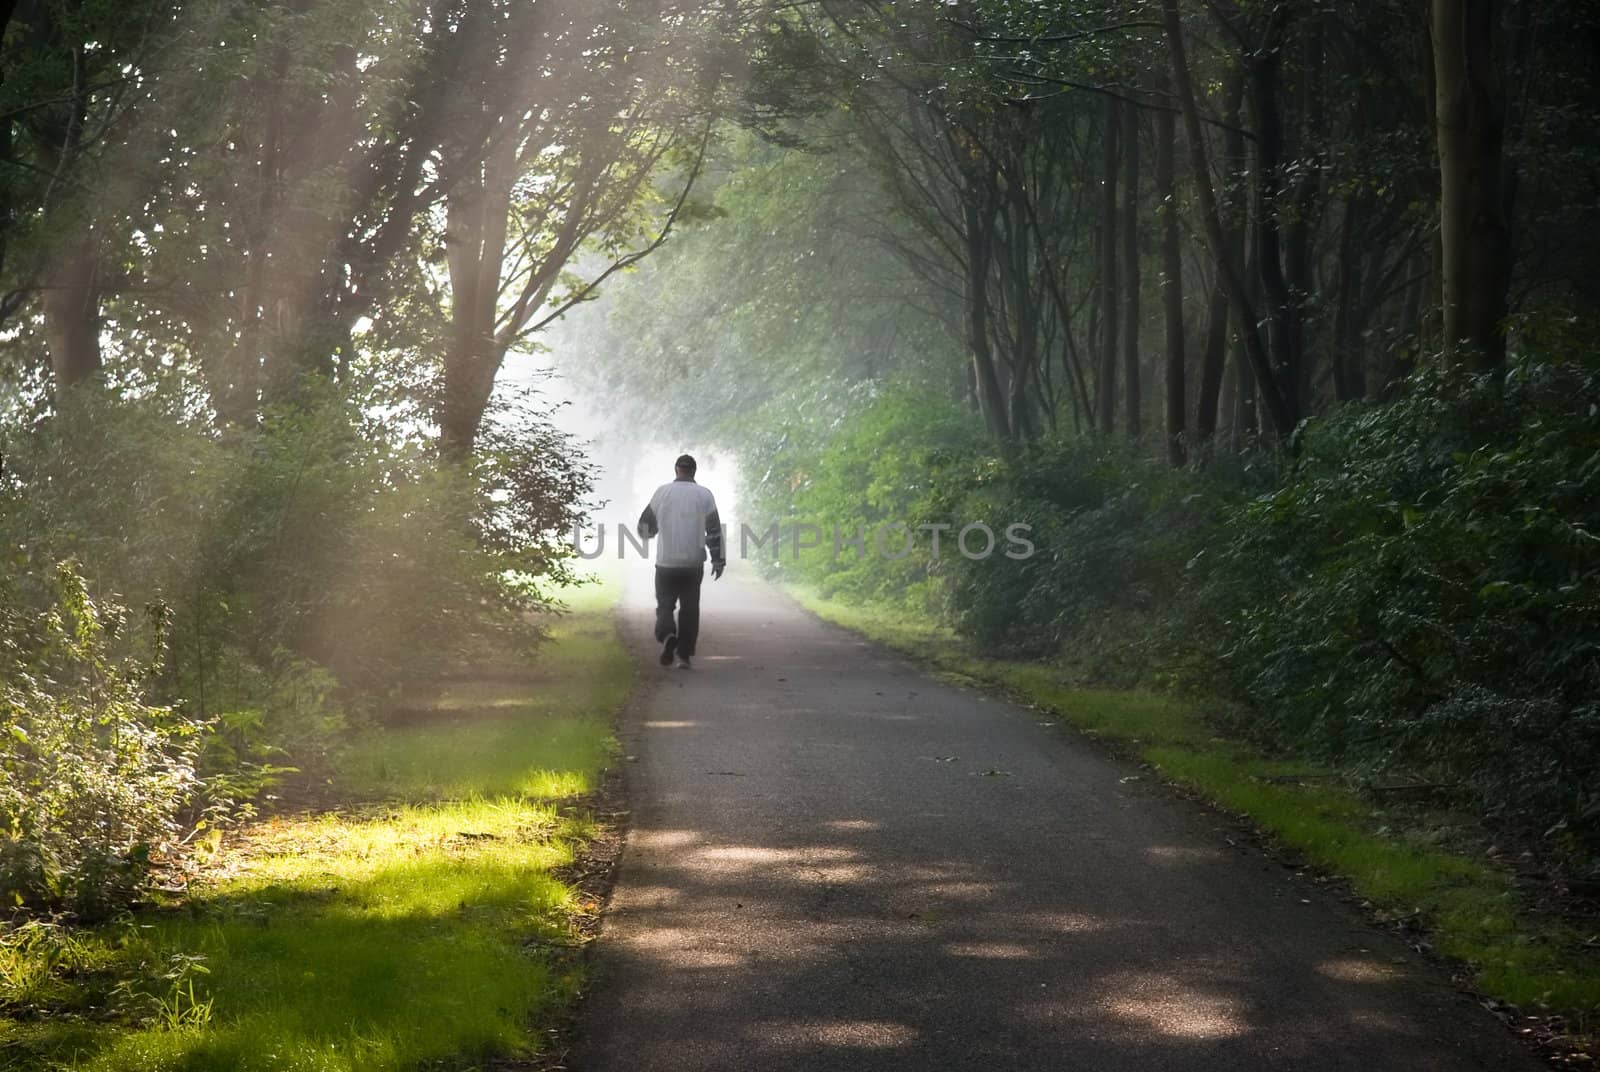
839	859
420	908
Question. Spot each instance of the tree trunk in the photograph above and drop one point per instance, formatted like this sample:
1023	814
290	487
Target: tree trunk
1246	415
1171	280
1071	358
1298	260
469	359
1092	344
1280	306
1130	269
70	297
979	220
1214	360
478	213
1227	396
1349	368
1474	228
1429	308
72	313
1213	363
467	389
1109	312
1028	315
1283	419
236	383
8	10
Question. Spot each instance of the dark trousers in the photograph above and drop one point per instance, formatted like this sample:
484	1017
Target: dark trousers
680	588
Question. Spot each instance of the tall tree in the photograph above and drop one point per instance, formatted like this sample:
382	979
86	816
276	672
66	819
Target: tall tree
1474	194
537	177
1130	269
1171	279
1214	356
70	67
1282	413
1110	282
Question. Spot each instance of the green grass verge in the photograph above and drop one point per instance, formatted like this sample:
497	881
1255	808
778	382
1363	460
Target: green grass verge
425	931
1470	909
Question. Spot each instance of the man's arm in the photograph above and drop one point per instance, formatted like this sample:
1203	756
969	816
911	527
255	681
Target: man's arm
648	525
714	539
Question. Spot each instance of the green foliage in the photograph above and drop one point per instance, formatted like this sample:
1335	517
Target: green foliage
92	778
880	466
1112	531
303	569
1424	590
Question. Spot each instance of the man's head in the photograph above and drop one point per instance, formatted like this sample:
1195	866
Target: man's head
684	467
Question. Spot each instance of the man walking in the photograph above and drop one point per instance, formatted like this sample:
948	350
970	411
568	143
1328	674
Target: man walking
684	514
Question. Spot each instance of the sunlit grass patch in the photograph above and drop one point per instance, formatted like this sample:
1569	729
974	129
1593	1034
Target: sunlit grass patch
367	945
307	853
359	944
596	597
602	586
525	752
542	739
422	925
1471	910
885	624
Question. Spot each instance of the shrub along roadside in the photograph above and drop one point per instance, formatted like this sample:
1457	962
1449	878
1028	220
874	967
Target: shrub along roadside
91	776
1423	592
428	927
1471	910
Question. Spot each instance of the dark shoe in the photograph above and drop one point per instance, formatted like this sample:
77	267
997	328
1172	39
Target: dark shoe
683	663
668	647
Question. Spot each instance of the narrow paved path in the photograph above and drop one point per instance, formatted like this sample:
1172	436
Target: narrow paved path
838	862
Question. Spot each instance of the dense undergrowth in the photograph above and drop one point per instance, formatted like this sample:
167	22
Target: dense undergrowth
186	613
421	920
1414	590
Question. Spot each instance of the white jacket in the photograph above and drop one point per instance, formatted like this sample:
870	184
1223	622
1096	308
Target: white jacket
684	515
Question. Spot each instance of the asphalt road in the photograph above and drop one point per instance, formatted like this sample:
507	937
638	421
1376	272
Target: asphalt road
836	861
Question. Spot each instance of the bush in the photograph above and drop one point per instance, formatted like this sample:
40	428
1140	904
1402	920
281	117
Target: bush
883	463
1424	591
92	778
1113	531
